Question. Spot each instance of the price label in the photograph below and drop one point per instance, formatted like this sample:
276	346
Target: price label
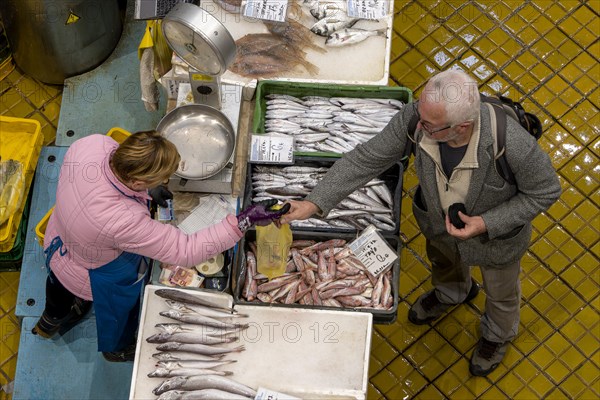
267	394
373	251
368	9
272	149
273	10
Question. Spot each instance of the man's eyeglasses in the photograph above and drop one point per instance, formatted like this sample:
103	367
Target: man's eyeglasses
424	126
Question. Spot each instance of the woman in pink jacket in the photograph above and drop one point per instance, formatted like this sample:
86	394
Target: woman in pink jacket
101	229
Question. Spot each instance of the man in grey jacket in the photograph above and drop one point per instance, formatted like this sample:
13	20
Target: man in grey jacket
454	160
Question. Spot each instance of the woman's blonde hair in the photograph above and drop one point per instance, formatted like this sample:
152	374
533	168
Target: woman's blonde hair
145	156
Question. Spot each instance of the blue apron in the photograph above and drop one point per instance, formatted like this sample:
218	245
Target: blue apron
116	290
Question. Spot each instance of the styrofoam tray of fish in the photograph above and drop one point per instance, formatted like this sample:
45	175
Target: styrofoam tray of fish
377	203
325	120
315	39
325	276
199	345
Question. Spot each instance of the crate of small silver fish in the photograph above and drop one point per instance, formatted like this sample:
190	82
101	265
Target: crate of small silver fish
200	345
325	119
377	203
321	273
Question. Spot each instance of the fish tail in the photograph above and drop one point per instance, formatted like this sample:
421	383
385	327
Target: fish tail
382	32
239	349
311	68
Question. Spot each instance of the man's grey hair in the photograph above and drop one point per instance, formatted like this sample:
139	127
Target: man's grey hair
458	91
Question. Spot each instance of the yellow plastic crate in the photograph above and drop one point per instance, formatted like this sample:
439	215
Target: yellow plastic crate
119	135
21	139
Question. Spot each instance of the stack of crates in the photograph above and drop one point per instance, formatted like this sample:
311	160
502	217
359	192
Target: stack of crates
21	140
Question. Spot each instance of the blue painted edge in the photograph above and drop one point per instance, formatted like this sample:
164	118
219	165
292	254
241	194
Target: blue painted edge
67	367
31	295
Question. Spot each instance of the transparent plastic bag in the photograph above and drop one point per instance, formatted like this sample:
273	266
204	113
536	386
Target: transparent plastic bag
273	246
11	188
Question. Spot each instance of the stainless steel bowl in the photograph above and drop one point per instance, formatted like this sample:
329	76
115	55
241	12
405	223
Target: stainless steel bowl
204	138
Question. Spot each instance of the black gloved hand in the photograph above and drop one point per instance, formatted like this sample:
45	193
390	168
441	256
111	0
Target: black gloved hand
260	214
160	195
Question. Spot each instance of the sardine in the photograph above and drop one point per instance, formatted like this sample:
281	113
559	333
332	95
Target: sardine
189	383
328	25
198	348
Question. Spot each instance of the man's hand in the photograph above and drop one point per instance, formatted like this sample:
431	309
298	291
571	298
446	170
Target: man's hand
299	210
473	226
160	195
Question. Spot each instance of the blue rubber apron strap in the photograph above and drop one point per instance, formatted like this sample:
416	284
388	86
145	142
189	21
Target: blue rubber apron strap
55	245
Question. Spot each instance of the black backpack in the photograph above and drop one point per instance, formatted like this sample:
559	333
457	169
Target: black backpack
499	107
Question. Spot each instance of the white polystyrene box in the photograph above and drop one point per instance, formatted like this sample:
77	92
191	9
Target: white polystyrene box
302	352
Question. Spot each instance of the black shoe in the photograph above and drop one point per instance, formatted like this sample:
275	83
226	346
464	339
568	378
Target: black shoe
47	326
428	308
486	357
127	354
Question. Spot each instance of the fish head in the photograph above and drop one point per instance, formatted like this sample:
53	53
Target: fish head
175	305
158	338
170	313
169	384
158	372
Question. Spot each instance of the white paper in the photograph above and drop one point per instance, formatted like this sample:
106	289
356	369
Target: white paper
266	394
273	10
368	9
212	209
272	149
373	251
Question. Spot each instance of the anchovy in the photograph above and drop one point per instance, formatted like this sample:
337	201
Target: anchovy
204	394
189	383
198	348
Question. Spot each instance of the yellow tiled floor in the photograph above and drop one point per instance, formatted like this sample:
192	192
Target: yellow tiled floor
546	55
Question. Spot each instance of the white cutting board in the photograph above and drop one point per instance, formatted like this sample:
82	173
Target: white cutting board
365	63
301	352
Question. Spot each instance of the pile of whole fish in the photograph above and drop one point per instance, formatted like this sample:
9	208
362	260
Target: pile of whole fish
329	124
192	348
370	205
320	273
334	23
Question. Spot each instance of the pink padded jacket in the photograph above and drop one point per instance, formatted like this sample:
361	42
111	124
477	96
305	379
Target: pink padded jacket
98	217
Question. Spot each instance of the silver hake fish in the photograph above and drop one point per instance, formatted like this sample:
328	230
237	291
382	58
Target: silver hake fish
208	394
189	383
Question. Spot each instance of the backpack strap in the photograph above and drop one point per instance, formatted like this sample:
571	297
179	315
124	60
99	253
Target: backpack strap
498	124
409	148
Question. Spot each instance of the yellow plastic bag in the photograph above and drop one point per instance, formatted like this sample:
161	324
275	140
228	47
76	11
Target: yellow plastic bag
11	188
273	246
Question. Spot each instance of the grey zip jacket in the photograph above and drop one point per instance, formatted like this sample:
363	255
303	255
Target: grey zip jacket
507	210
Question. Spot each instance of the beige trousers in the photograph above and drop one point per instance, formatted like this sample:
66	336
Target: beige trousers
452	281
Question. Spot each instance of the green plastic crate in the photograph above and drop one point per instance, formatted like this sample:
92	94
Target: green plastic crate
11	260
300	89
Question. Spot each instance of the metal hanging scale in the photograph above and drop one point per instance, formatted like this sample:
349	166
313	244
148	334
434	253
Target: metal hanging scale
204	44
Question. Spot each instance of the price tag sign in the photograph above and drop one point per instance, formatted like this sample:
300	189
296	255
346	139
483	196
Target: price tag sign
368	9
267	394
272	149
273	10
373	251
